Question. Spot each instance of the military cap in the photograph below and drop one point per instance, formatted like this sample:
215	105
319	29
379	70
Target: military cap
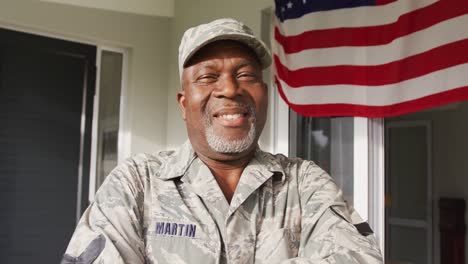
221	29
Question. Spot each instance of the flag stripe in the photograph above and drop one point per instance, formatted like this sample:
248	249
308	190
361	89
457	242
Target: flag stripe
311	6
384	2
389	94
359	17
436	59
429	101
440	34
373	35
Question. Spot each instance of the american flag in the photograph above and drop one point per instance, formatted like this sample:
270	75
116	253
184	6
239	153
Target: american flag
370	58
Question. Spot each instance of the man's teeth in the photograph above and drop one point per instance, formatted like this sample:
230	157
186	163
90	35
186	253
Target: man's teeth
231	117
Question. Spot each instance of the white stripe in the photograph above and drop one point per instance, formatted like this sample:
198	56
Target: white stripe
435	82
440	34
351	17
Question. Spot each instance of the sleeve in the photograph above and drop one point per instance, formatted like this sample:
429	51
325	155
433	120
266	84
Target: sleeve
110	230
331	232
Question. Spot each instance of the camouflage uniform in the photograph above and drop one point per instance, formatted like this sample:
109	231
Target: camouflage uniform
168	208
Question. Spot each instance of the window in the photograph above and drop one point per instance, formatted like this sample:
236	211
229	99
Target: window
329	142
108	148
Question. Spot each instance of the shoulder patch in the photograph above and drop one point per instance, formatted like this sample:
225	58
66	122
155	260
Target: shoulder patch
91	252
364	229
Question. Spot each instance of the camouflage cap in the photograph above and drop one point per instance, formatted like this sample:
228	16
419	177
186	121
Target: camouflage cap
221	29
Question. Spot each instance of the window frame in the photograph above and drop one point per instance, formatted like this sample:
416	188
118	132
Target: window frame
124	132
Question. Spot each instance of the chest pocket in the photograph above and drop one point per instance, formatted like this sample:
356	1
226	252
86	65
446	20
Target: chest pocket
273	246
172	241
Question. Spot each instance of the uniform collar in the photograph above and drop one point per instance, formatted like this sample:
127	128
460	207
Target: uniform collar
178	162
175	163
267	162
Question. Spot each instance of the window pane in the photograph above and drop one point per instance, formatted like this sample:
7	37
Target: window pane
407	245
407	172
109	106
329	142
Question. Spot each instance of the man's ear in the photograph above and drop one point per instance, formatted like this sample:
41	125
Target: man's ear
181	101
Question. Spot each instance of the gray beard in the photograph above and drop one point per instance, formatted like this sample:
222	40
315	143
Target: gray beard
222	144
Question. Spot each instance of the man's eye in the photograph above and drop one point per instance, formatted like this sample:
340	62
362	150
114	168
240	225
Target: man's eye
207	78
246	76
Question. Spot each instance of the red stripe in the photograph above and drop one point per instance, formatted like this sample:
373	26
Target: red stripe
447	97
411	67
374	35
384	2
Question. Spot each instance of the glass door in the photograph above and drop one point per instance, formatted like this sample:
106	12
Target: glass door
408	192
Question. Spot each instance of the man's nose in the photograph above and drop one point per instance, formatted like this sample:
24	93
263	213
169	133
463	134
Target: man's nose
228	87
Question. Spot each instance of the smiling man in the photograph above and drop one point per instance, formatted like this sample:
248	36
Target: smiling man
219	198
224	104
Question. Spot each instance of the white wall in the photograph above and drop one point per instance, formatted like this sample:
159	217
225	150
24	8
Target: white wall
145	37
450	156
145	7
189	13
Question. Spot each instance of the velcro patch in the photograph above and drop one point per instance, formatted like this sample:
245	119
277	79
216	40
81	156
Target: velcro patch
364	229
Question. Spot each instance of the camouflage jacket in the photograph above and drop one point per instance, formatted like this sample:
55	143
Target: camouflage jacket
168	208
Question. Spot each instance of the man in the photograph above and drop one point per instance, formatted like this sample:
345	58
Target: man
218	198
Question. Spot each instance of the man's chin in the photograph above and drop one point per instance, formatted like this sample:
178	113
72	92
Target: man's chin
229	146
230	141
232	152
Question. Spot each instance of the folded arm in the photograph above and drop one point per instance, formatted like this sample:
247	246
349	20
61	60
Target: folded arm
110	230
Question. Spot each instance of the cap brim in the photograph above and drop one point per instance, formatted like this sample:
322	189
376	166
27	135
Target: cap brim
255	44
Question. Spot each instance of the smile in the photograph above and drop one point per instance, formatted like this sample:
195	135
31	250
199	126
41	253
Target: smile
232	116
